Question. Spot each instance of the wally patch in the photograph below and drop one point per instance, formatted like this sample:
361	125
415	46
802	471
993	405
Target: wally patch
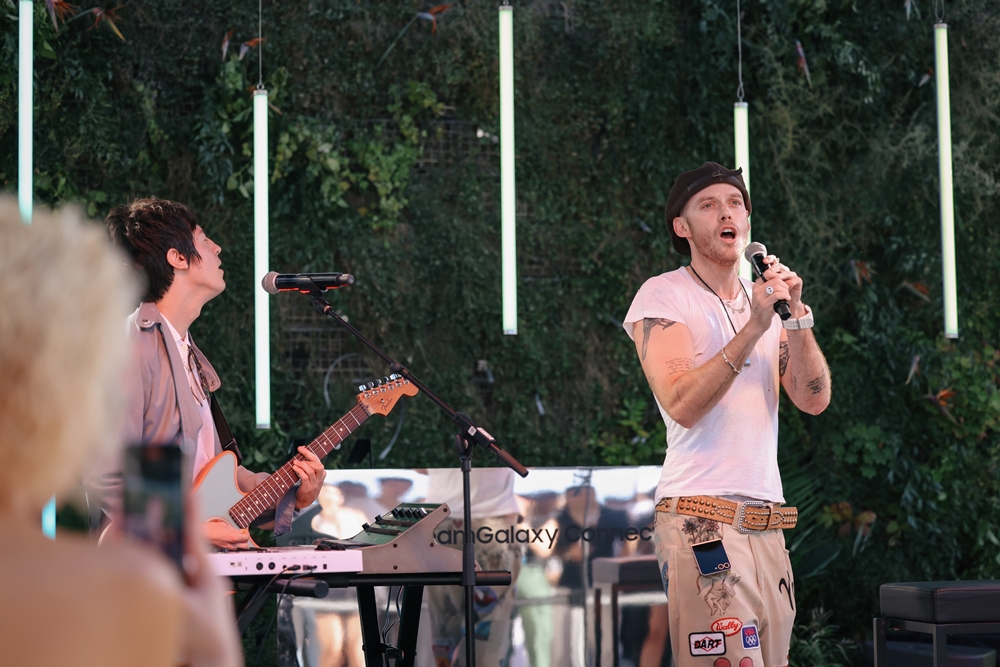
728	626
751	639
707	643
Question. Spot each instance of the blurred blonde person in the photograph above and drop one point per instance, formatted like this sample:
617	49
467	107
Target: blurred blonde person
63	349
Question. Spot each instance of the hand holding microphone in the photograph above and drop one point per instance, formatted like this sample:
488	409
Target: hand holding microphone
755	254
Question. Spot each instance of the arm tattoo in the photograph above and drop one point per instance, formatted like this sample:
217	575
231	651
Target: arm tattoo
817	385
782	359
647	326
679	365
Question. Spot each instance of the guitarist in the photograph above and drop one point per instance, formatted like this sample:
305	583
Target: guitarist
172	382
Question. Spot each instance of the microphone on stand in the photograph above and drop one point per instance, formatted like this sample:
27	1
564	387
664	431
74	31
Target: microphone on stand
275	282
755	254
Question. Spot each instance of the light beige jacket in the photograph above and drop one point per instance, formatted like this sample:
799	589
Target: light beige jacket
161	408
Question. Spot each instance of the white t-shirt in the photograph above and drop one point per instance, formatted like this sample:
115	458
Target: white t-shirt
206	434
733	449
491	491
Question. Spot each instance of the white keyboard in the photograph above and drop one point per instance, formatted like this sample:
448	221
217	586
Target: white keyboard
292	559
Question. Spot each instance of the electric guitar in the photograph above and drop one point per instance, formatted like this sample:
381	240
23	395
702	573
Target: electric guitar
219	493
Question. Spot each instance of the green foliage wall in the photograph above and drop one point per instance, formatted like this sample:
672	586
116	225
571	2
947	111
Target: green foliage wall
613	101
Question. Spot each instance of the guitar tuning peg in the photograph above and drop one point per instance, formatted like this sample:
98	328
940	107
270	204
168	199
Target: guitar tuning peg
371	385
385	379
362	387
393	377
379	382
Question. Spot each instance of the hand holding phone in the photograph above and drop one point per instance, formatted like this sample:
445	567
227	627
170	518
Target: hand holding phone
155	498
160	511
210	638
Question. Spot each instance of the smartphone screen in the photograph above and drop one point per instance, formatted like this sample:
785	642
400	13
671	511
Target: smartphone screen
711	557
154	498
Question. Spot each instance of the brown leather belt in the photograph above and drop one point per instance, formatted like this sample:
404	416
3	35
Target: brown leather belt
752	516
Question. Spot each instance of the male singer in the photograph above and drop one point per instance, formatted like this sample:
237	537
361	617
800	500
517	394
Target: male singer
172	381
714	352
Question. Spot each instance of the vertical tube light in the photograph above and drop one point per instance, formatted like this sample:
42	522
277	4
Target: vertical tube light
508	197
25	114
25	156
261	312
742	135
49	518
945	176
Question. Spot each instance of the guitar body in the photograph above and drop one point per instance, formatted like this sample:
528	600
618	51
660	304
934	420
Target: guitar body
217	489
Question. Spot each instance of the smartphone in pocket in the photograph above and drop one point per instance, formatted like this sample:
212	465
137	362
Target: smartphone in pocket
155	498
711	557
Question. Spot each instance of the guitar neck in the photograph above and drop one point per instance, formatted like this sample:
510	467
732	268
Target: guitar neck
266	495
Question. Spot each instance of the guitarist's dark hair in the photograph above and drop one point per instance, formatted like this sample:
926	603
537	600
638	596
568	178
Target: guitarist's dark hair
146	230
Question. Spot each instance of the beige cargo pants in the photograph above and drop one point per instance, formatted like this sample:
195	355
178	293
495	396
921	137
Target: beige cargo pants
494	605
740	618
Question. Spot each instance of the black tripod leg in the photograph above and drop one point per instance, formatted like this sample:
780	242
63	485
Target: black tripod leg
369	627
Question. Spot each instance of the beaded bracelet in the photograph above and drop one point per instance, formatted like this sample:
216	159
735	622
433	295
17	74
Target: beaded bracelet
729	362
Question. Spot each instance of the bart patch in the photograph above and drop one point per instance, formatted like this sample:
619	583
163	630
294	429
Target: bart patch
707	643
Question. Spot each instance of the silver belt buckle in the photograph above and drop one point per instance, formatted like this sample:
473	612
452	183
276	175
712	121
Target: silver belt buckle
743	512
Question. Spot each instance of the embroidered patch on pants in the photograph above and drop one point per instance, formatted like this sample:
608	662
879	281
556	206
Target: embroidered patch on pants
485	600
728	626
750	638
483	630
443	652
707	643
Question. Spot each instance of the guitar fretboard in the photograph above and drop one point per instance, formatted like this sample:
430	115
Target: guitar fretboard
267	494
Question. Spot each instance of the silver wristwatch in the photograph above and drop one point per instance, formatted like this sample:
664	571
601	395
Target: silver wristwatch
804	322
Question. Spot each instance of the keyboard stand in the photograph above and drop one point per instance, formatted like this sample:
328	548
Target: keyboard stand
319	584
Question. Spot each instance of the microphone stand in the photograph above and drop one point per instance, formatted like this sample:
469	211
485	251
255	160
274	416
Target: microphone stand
469	435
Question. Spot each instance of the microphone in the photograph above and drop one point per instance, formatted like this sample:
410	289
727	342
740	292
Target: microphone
755	254
275	282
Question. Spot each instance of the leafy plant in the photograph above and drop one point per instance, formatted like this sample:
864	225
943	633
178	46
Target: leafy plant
815	643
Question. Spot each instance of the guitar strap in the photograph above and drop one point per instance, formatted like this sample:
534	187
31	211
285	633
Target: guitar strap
226	438
225	434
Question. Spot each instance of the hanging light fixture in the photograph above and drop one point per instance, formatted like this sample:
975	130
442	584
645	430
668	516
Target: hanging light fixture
261	305
25	156
25	115
741	132
508	197
945	176
262	321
